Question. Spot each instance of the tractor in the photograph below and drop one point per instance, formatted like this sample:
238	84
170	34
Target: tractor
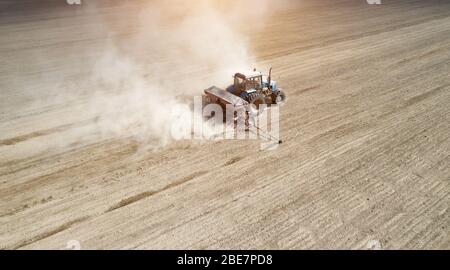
248	92
256	88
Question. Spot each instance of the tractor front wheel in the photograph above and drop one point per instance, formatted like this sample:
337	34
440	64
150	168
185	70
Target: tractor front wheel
279	97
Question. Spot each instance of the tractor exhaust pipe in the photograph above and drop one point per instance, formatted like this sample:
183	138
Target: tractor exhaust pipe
269	80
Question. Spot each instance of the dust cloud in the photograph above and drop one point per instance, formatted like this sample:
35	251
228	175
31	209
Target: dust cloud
155	57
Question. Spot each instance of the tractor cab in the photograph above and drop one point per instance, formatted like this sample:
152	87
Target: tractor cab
245	82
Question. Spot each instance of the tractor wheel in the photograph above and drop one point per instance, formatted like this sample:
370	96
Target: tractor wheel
255	99
279	97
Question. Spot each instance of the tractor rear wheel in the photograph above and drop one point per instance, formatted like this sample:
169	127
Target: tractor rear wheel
255	99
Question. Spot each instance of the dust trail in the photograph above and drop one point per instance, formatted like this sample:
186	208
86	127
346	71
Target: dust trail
176	42
176	49
135	64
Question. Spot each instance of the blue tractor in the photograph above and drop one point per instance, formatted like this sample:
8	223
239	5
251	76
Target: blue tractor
256	88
